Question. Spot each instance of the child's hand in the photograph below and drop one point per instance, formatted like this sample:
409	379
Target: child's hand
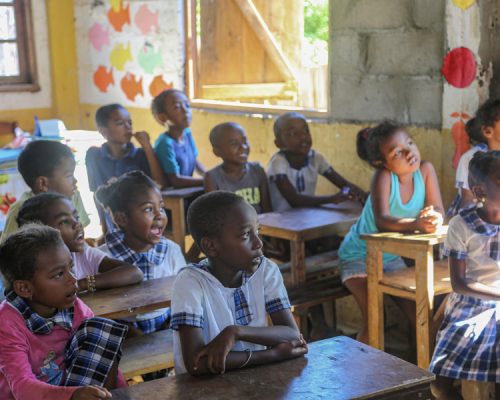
357	194
91	393
217	350
293	349
143	138
429	220
340	196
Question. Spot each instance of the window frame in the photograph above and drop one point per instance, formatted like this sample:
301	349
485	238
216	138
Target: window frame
27	80
192	89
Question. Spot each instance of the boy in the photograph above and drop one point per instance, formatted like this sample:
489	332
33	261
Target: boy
175	148
46	165
293	171
236	174
118	155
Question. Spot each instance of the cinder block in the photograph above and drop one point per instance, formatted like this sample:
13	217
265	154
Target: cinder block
348	53
425	99
428	14
370	14
405	53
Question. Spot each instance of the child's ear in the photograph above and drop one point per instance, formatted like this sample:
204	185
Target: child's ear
41	184
161	118
487	131
23	288
103	131
209	247
478	192
120	219
278	144
378	164
216	151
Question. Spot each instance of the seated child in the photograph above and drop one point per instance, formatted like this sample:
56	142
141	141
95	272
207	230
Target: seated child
236	174
46	165
52	346
404	197
220	306
92	267
175	148
293	170
468	345
118	155
136	205
484	134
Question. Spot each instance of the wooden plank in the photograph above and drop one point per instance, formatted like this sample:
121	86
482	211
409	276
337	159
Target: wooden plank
245	91
374	269
337	368
396	238
147	353
298	257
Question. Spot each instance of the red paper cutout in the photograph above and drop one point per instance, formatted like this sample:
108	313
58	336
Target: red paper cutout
459	67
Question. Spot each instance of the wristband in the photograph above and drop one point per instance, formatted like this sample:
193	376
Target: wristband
91	283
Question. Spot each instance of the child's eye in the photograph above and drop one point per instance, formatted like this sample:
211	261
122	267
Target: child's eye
59	275
245	235
148	209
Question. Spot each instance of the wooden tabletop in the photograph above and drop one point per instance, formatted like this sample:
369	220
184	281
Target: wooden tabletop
183	192
308	223
337	368
131	300
410	238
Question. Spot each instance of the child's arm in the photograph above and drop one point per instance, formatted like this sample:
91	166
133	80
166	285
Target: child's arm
113	273
474	289
208	183
265	199
216	357
154	166
200	168
432	192
339	181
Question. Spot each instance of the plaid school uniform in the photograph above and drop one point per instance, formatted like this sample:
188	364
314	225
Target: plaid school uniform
468	342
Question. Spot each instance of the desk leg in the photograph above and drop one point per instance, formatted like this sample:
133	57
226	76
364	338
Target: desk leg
424	271
298	261
374	268
179	223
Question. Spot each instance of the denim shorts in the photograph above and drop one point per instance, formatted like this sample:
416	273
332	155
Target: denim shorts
357	268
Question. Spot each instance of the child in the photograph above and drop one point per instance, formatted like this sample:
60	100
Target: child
136	204
468	343
293	171
484	132
404	197
118	155
92	267
51	346
236	174
175	148
46	165
220	306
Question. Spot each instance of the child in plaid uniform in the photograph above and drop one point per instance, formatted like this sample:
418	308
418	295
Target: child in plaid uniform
220	306
51	346
136	205
468	344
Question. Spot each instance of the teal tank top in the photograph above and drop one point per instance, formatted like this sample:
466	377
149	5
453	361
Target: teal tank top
353	247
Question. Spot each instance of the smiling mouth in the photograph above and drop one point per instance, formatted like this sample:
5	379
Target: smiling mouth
80	237
157	231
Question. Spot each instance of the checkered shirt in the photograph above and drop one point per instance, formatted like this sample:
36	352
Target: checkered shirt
478	225
145	261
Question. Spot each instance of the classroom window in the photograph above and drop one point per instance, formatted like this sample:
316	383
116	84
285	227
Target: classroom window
260	53
17	56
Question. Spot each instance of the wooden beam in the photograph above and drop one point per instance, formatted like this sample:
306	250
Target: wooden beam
267	39
248	91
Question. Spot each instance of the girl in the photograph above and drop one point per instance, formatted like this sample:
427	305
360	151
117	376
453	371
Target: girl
484	133
175	148
136	205
467	343
92	267
51	346
404	198
220	307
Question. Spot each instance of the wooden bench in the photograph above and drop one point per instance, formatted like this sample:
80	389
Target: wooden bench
147	353
318	266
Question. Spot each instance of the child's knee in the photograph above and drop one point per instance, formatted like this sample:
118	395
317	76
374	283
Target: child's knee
442	387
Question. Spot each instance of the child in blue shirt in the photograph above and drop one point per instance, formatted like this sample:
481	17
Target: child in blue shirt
175	148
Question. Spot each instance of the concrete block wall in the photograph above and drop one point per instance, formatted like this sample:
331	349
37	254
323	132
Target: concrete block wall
386	58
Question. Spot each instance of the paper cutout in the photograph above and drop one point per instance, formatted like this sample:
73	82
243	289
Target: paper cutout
459	67
98	36
120	56
119	18
146	20
158	85
103	78
460	137
115	4
463	4
148	59
131	87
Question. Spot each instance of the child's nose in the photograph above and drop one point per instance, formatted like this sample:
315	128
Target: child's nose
257	242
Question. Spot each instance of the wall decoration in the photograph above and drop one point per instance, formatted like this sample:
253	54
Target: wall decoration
119	18
98	36
459	67
158	85
460	137
120	55
146	20
463	4
149	59
131	86
103	78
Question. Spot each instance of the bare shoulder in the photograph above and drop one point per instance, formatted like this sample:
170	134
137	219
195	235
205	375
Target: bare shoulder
426	168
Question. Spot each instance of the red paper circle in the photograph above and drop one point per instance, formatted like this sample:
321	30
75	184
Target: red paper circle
459	67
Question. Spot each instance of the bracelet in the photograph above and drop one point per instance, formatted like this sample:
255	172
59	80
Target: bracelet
249	351
91	283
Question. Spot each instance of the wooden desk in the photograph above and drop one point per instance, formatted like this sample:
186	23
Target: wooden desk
131	300
174	201
337	368
300	224
418	247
